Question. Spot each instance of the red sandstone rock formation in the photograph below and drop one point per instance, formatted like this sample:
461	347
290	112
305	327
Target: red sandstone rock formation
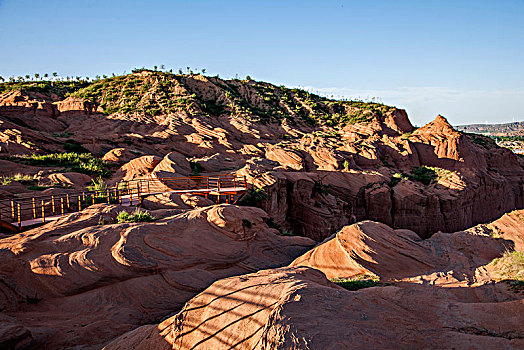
354	161
84	280
440	291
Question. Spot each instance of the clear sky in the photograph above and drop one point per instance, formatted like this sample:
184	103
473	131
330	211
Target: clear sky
463	59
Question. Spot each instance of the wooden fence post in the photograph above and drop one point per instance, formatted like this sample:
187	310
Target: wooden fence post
53	204
62	206
19	216
13	210
43	211
34	207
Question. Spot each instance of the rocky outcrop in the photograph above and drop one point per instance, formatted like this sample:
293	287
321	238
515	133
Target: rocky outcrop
118	156
173	164
454	200
371	248
137	168
74	105
435	291
298	308
126	275
69	179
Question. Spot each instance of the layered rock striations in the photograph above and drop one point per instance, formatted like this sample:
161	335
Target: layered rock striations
441	292
321	163
83	280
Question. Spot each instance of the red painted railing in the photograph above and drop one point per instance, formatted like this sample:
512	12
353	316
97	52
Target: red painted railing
17	210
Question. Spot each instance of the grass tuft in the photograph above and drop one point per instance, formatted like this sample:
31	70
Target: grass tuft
137	216
357	282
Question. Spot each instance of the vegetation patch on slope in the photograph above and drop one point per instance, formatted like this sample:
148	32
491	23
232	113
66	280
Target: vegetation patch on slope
510	268
137	216
153	92
78	162
59	88
423	174
357	282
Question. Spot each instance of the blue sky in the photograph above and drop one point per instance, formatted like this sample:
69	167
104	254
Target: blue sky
463	59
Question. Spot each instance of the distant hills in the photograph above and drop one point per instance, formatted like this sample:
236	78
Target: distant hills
507	129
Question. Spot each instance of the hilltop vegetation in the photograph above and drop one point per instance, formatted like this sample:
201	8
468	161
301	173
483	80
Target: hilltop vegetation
150	93
59	88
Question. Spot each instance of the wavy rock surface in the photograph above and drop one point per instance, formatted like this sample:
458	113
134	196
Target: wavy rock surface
441	291
81	281
298	308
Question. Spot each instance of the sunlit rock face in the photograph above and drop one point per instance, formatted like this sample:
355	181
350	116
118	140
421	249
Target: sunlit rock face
83	280
321	163
443	290
376	195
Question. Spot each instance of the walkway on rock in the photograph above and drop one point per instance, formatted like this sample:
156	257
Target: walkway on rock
19	212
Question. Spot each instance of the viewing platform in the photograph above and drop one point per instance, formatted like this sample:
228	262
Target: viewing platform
17	213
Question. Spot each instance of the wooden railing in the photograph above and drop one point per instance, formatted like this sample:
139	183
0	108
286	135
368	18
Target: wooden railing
36	209
190	184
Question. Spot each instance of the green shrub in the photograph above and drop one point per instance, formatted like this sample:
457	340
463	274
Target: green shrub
510	268
247	223
396	178
357	282
406	135
22	178
74	146
97	184
482	141
196	167
286	233
272	224
320	188
423	174
79	162
137	216
4	181
64	134
253	196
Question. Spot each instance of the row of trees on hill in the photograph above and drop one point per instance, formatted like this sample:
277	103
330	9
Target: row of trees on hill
54	76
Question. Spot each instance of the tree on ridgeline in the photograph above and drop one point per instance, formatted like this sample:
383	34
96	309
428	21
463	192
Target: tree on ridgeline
2	79
46	76
27	76
37	76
